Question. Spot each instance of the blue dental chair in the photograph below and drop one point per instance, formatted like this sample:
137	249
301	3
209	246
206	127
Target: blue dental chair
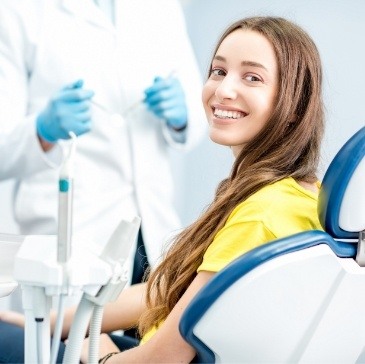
296	299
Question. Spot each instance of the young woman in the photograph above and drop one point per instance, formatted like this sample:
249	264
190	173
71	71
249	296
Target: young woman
263	99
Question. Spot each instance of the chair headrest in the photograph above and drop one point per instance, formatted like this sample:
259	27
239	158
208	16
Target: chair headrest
341	207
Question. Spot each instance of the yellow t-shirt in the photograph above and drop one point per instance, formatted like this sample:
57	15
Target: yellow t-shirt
275	211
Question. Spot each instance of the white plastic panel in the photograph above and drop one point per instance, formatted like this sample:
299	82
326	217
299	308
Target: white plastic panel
301	307
9	245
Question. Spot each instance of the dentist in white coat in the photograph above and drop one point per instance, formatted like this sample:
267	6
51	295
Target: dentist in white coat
58	55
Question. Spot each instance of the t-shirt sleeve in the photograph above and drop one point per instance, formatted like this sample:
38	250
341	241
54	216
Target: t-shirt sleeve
233	240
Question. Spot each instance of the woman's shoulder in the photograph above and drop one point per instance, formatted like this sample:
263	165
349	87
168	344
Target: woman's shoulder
281	195
283	189
283	208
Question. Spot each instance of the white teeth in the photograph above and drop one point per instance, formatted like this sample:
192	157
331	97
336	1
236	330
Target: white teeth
224	114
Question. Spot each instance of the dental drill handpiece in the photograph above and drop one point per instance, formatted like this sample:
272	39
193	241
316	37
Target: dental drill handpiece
65	197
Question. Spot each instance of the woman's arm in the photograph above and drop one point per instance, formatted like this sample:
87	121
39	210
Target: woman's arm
118	315
12	317
124	313
167	345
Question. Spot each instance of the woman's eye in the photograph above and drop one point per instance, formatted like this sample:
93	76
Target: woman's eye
217	72
253	78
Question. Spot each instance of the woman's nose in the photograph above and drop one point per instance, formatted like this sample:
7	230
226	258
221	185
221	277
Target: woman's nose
227	89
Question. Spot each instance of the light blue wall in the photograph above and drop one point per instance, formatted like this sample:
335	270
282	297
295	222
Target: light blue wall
337	27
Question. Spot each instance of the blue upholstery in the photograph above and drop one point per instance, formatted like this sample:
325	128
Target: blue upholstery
335	182
332	191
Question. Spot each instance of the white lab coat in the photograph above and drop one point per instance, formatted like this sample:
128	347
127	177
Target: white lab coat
120	171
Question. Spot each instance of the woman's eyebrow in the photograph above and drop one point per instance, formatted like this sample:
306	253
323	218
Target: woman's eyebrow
219	58
243	63
253	64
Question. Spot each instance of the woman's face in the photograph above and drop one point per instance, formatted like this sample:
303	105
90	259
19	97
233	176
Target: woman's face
241	90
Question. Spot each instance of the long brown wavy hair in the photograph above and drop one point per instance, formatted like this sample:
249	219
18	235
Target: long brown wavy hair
288	146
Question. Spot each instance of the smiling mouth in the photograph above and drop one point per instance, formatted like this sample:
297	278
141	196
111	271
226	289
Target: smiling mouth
228	114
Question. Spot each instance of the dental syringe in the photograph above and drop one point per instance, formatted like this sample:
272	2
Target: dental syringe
65	196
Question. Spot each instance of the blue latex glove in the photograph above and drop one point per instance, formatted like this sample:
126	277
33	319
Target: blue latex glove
68	111
166	99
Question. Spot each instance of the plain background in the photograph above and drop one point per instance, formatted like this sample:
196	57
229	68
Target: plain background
337	27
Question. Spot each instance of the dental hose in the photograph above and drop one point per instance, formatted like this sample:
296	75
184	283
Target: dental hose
78	331
57	332
94	334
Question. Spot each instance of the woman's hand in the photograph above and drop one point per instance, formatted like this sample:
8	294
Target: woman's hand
13	317
106	346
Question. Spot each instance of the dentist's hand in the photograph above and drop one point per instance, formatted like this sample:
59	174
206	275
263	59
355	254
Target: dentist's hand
166	99
68	111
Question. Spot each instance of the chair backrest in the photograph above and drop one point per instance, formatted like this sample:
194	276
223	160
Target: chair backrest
342	197
293	299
